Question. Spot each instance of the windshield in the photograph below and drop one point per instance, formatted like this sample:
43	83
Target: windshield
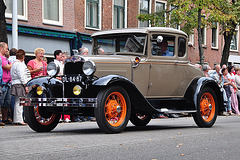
122	43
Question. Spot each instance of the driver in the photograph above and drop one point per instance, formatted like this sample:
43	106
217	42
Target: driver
164	49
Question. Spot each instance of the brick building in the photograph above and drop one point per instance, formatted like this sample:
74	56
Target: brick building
57	21
43	23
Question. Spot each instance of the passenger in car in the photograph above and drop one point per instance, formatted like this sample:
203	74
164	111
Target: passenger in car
164	48
100	51
161	49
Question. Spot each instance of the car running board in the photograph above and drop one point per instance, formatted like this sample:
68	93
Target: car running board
167	111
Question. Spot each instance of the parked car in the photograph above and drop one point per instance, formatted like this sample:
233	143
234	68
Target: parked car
143	71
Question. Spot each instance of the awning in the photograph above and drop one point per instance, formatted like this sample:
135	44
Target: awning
39	32
234	59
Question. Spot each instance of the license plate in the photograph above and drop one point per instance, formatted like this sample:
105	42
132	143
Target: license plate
71	78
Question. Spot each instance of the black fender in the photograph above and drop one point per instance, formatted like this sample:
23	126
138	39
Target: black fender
43	81
51	85
136	97
107	80
196	86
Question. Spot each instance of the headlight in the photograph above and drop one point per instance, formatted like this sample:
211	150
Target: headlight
39	90
77	90
89	67
53	69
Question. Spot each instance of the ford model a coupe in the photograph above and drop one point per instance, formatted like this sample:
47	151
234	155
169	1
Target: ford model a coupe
143	71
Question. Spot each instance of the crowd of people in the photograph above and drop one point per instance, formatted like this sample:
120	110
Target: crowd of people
228	79
14	75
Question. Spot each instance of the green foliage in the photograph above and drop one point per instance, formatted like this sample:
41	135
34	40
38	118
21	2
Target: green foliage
185	13
226	13
182	12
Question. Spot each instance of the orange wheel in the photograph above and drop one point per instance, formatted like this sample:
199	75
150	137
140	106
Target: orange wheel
113	109
40	119
207	108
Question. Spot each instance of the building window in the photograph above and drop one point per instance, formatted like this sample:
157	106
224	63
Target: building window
191	40
234	41
119	14
203	32
160	6
92	13
144	9
214	35
22	9
52	12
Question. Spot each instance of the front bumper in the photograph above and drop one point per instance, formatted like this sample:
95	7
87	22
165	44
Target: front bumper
59	102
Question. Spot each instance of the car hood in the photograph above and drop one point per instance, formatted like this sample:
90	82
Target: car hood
109	58
112	64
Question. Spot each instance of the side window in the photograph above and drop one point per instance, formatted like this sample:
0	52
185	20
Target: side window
162	45
181	47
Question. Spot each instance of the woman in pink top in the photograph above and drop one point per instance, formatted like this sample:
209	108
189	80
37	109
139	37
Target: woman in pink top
37	66
234	101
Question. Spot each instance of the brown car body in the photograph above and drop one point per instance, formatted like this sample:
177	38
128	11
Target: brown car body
150	80
134	79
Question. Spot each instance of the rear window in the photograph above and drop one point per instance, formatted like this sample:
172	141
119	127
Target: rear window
181	47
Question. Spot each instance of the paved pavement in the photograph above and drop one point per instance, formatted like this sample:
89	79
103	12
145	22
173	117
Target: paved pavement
161	139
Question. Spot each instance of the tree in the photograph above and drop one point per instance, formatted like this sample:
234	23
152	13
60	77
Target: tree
187	13
227	13
3	26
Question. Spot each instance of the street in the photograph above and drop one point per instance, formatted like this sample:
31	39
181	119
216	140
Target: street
162	139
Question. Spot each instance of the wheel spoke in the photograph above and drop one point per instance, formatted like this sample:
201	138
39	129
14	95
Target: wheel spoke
207	107
115	109
42	120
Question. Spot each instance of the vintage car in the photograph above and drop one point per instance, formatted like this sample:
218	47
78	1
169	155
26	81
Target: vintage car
142	72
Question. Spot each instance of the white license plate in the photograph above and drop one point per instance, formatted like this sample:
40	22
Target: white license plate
71	78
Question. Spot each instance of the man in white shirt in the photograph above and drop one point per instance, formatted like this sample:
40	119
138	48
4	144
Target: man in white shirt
12	57
58	60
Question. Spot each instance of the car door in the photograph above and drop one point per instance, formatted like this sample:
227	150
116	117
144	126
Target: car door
170	76
163	80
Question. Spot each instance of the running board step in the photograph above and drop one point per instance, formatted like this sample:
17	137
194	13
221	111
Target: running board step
167	111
